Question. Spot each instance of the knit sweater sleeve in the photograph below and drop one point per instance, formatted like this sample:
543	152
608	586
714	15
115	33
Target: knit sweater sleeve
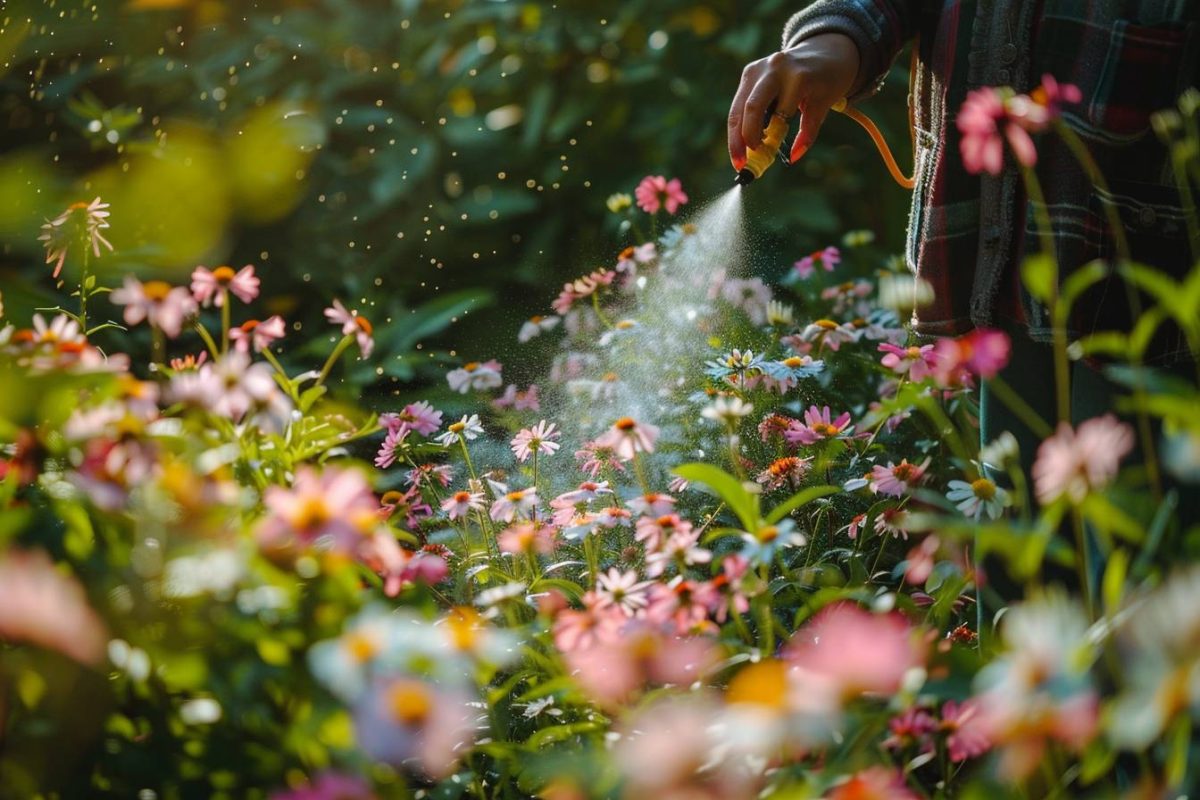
879	28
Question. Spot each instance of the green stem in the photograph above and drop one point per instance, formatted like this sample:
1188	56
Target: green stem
209	344
1062	375
225	321
84	289
589	553
641	475
1020	407
596	305
333	357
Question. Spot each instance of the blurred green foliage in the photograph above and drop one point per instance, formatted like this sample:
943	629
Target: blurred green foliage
398	153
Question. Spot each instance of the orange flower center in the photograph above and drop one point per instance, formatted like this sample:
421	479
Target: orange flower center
783	466
249	325
462	497
224	274
824	428
364	325
471	366
536	318
516	496
311	514
626	424
904	471
827	324
156	291
391	498
768	534
913	352
457	427
409	702
627	253
362	647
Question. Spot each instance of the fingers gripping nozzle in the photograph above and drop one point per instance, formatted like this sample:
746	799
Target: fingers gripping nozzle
761	157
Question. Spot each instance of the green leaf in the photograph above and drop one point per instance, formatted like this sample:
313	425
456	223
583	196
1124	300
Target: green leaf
1113	585
558	733
1106	516
1040	275
727	487
1081	280
570	588
799	500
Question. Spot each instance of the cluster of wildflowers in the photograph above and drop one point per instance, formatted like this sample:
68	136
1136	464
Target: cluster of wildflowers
730	543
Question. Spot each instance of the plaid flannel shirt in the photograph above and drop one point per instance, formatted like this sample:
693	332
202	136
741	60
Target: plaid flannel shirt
966	232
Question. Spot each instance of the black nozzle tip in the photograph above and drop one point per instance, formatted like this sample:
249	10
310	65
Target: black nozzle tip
743	177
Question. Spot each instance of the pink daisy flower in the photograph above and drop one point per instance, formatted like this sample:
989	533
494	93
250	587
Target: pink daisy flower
212	285
828	258
621	590
163	306
334	507
42	606
352	324
259	335
652	531
538	439
628	437
985	123
1073	463
510	504
460	504
596	457
917	362
58	237
818	425
420	416
527	538
656	192
896	479
967	738
982	352
394	446
630	257
477	375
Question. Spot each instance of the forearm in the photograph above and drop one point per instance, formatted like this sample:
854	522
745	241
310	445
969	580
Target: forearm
879	28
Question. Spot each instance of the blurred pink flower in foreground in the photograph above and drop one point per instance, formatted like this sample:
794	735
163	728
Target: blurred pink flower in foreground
163	306
475	375
985	124
329	786
42	606
656	192
334	509
1036	110
982	352
828	258
845	651
408	722
628	437
966	737
1076	462
211	285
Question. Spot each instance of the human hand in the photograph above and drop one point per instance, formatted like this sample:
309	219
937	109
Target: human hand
810	77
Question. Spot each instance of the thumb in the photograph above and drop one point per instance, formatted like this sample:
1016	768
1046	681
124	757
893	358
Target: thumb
811	119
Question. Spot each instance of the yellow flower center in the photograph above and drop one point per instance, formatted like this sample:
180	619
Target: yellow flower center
824	428
471	366
516	496
793	361
913	352
311	514
536	318
983	489
827	324
768	534
156	291
457	427
362	648
391	498
464	626
410	702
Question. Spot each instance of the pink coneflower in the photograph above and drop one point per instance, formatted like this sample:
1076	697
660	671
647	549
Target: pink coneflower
854	652
475	375
982	352
966	738
353	324
874	783
420	416
538	439
408	504
189	363
394	446
587	491
59	237
582	288
681	605
630	257
656	192
460	504
612	517
921	560
212	285
653	504
42	606
891	521
774	425
409	722
917	362
510	504
786	471
912	728
621	590
527	538
580	630
399	567
430	474
819	424
595	457
334	508
828	258
1034	112
985	123
519	399
260	335
896	479
628	437
535	326
1073	463
827	333
681	550
163	306
849	296
856	523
